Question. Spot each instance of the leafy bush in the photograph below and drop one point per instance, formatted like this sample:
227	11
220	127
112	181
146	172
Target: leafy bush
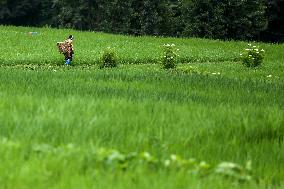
234	171
252	56
109	58
169	57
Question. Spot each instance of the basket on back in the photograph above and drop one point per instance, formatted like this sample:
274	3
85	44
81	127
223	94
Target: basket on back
62	47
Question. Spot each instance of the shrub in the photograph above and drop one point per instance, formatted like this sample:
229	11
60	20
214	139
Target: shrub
252	56
169	57
109	58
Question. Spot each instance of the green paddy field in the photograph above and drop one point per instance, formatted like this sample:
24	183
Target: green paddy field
209	123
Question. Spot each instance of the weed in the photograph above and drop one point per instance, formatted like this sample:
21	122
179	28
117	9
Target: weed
252	56
109	58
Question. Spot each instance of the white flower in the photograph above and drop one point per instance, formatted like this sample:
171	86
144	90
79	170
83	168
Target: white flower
269	76
173	157
241	54
254	46
262	50
247	49
249	44
218	73
167	163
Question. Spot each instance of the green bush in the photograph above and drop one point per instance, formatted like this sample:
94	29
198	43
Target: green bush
169	57
109	58
252	56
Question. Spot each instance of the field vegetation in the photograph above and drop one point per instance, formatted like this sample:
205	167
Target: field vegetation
209	123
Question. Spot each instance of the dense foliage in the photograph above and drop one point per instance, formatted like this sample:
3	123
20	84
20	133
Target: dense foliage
252	56
169	56
109	58
225	19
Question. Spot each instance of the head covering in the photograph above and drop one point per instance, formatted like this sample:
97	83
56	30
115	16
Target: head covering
71	37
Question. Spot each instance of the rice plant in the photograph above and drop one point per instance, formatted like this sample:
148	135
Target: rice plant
215	124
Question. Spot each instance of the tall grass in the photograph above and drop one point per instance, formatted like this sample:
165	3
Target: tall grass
234	116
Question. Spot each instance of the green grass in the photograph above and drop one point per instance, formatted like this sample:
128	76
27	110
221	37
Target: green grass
23	48
236	116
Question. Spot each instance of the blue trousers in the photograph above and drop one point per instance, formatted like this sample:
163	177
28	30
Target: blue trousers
68	60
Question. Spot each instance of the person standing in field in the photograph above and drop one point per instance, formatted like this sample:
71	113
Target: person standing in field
67	49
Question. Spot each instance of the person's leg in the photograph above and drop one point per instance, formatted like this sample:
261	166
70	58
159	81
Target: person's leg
70	57
68	62
67	59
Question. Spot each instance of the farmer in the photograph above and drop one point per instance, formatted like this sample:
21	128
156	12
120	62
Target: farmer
66	48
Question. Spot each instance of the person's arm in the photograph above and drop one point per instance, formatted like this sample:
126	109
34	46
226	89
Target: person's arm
72	48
